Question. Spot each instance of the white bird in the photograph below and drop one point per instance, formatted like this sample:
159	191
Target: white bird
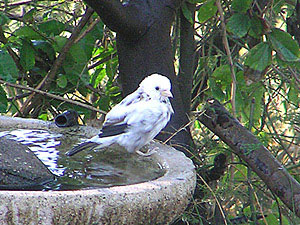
137	119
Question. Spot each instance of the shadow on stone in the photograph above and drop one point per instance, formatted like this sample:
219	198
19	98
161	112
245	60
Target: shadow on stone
20	169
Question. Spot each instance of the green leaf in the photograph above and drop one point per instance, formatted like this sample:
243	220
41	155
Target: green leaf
257	92
59	43
8	68
3	101
240	172
187	13
293	94
241	5
238	24
3	19
43	116
114	91
75	65
44	47
222	74
27	58
272	219
52	27
216	90
197	124
62	81
111	68
240	104
28	16
259	57
247	210
97	77
103	103
27	32
286	47
256	27
207	11
88	42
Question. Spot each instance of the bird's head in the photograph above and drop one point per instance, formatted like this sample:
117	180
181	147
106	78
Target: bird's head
157	86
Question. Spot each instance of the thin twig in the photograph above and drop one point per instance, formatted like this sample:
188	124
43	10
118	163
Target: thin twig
295	75
198	114
255	195
95	90
17	97
52	96
233	77
227	49
17	3
249	170
217	200
279	140
105	59
278	208
87	30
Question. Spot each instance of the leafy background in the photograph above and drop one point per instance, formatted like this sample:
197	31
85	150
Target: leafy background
263	45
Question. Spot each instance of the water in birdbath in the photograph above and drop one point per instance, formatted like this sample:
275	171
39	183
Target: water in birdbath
108	167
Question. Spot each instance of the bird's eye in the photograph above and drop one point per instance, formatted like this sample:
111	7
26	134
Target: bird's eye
157	88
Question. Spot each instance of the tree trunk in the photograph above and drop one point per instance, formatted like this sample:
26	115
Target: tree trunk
187	58
144	47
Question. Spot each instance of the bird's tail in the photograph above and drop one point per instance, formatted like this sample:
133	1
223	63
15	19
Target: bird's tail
81	147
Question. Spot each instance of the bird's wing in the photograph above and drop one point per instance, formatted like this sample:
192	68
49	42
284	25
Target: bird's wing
115	121
132	98
147	115
118	113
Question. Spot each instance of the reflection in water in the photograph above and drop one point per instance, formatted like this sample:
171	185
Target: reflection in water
89	169
42	143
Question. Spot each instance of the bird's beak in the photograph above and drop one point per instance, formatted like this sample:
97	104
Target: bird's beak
166	93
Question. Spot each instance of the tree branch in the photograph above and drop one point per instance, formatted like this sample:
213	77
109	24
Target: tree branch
126	18
250	149
52	96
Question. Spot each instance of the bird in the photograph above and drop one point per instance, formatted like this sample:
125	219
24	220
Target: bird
137	119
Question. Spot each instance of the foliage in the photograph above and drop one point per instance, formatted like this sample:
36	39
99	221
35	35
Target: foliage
266	66
265	55
33	36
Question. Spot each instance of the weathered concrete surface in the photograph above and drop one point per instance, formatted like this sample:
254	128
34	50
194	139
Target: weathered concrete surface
20	168
155	202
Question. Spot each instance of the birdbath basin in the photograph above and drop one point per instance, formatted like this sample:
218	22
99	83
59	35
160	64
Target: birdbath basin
157	201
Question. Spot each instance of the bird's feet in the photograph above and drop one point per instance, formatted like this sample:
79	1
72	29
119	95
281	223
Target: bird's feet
148	153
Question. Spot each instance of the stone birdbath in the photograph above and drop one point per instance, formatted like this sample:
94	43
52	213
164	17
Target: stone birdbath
158	201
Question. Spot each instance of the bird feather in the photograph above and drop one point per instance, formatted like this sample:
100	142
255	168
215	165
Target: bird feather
82	146
113	130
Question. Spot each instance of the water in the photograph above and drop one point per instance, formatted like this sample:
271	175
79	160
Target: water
108	167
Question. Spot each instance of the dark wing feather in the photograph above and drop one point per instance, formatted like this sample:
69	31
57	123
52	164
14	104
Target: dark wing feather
81	147
113	130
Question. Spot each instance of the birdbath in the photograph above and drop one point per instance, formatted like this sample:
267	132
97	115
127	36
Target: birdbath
158	201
